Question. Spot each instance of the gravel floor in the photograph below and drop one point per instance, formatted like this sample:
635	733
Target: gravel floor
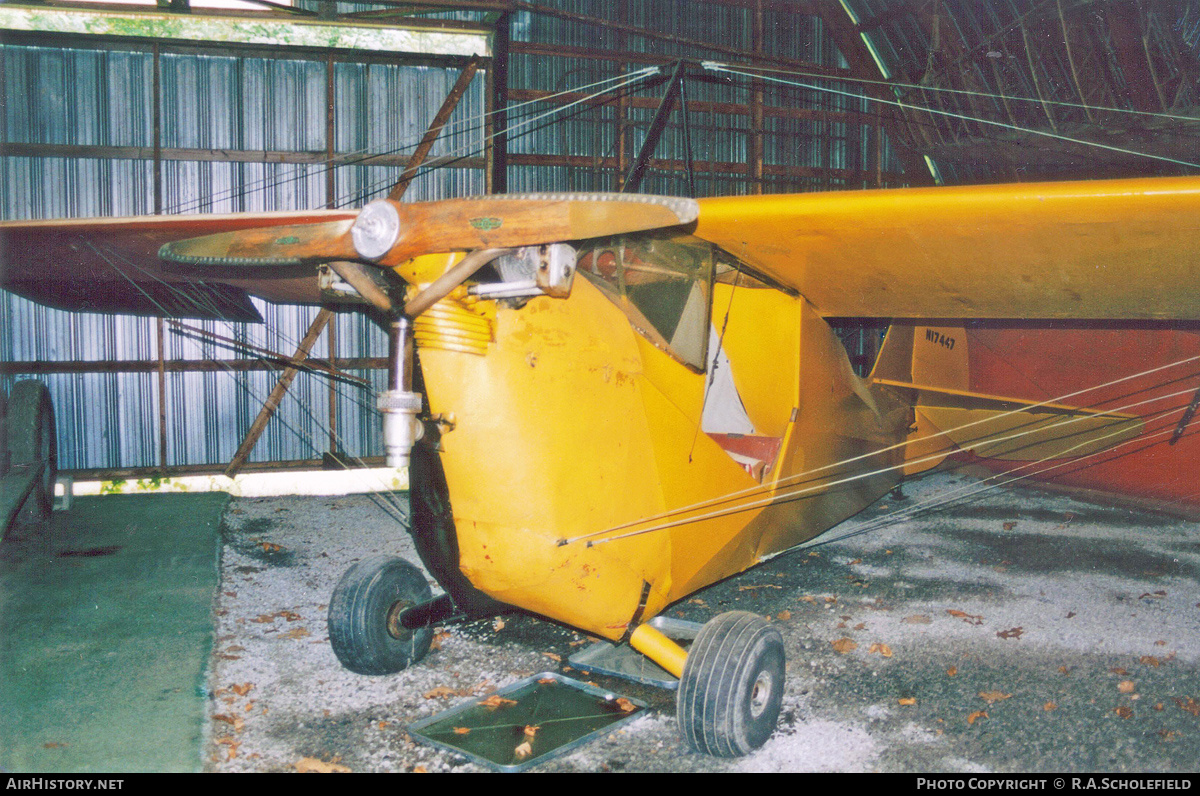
1016	632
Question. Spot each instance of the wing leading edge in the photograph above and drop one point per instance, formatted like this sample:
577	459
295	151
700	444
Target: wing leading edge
1119	249
112	265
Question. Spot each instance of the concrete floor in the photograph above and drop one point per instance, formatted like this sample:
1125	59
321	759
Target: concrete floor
1014	631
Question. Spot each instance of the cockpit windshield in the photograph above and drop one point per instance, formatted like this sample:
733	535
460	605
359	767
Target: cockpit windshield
662	282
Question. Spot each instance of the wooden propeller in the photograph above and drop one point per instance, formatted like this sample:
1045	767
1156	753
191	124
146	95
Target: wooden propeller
388	233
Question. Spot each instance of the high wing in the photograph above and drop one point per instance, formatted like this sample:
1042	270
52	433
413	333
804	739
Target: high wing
112	265
1119	249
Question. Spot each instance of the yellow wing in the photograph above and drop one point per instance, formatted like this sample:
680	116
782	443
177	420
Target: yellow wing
1110	249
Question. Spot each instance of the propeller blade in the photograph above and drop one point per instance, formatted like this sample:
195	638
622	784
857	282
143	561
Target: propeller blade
294	244
398	232
388	233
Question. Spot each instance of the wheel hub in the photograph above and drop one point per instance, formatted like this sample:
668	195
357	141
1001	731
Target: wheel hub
395	628
760	694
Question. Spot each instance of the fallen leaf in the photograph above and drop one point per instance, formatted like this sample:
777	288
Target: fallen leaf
553	656
916	619
831	600
1168	735
1008	526
783	616
1118	670
523	751
1049	706
1126	687
498	625
461	730
242	689
269	547
882	649
295	633
438	638
625	705
844	645
976	716
235	721
856	561
861	626
1191	706
1014	632
994	696
1124	712
763	586
383	725
970	619
1150	660
547	681
1160	643
440	692
531	731
54	745
1158	706
1063	670
908	700
311	765
808	598
953	670
495	701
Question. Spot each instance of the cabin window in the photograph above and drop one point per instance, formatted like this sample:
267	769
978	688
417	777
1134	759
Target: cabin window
663	283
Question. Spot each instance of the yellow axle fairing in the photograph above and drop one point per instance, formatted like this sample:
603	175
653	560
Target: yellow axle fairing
574	435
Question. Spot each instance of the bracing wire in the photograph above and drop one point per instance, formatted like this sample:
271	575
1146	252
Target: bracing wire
951	497
822	488
808	475
380	492
715	67
961	92
455	127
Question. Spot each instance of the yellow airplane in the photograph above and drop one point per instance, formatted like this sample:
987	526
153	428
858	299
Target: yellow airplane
610	401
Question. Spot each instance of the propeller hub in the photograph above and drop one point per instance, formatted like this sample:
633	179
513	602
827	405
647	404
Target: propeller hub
376	229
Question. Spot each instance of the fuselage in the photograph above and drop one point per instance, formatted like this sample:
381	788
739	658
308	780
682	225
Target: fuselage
599	469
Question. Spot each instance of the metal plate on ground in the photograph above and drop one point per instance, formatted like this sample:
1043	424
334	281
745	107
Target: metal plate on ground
528	722
621	660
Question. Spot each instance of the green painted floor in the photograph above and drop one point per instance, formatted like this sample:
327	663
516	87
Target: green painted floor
105	635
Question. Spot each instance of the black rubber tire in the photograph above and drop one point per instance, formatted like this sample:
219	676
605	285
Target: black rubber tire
731	691
31	437
359	610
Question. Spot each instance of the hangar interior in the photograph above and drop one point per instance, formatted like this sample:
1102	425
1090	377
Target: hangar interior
142	119
229	106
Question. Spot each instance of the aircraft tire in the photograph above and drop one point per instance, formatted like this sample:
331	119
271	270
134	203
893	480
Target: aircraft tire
30	437
363	602
731	691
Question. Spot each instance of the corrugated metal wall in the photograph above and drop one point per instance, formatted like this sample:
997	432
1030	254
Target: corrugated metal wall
103	96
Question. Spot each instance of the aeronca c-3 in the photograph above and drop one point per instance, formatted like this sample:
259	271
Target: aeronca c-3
610	401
